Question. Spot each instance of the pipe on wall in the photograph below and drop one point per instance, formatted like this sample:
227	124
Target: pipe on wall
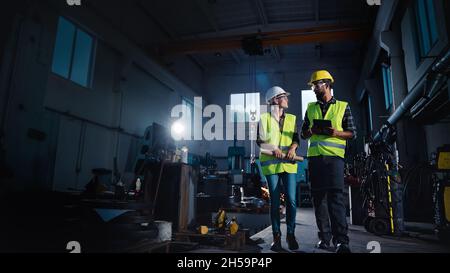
115	129
10	79
417	94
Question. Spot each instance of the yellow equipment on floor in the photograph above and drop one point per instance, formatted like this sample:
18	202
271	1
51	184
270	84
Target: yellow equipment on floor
447	203
234	227
220	220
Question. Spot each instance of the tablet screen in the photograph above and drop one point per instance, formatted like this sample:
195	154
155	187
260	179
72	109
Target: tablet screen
322	123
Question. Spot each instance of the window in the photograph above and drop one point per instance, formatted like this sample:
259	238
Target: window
190	105
245	107
73	53
252	107
367	105
307	97
387	83
237	107
425	33
369	113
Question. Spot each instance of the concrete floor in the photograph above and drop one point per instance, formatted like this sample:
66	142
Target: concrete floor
421	240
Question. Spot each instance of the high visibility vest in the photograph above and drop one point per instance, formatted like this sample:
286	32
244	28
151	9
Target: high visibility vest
323	144
283	139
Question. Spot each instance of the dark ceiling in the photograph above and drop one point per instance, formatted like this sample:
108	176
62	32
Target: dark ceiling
220	25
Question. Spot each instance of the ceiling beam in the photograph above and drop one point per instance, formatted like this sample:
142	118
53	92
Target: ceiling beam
203	5
239	31
155	19
276	52
275	38
197	62
235	56
318	49
261	11
317	11
168	32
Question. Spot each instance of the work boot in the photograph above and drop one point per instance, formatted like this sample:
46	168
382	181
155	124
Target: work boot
342	248
276	245
322	244
292	242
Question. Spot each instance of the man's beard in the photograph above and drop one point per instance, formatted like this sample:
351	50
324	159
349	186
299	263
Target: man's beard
320	95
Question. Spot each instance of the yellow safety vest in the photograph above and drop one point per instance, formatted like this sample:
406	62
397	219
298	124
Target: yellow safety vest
270	164
323	144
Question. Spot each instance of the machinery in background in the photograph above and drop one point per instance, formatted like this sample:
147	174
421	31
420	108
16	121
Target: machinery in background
236	190
419	180
304	186
246	185
234	187
353	170
441	193
425	186
167	177
377	181
427	192
236	158
157	145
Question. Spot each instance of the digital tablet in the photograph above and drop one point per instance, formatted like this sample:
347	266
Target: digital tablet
322	123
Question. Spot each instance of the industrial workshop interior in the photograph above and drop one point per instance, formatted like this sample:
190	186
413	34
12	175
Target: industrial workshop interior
225	126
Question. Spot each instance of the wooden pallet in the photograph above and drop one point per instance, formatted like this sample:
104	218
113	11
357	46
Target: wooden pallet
236	241
228	241
150	247
263	210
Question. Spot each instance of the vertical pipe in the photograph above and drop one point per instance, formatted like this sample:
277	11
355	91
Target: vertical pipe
395	190
11	76
117	146
80	153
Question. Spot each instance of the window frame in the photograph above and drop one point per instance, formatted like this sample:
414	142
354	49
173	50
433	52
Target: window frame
368	113
93	53
190	105
424	42
387	85
246	117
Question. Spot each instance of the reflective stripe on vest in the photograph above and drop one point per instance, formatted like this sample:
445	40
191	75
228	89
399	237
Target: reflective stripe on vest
275	161
323	144
270	164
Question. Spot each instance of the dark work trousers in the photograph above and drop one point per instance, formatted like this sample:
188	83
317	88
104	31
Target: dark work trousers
327	184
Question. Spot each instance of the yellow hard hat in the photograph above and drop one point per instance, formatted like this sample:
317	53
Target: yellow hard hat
320	75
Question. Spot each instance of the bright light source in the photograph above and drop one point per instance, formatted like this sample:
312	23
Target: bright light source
177	130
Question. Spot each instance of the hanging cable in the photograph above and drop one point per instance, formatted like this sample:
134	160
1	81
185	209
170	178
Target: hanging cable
252	126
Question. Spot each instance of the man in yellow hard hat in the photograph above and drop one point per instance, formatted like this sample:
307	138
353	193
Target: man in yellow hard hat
278	133
328	124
